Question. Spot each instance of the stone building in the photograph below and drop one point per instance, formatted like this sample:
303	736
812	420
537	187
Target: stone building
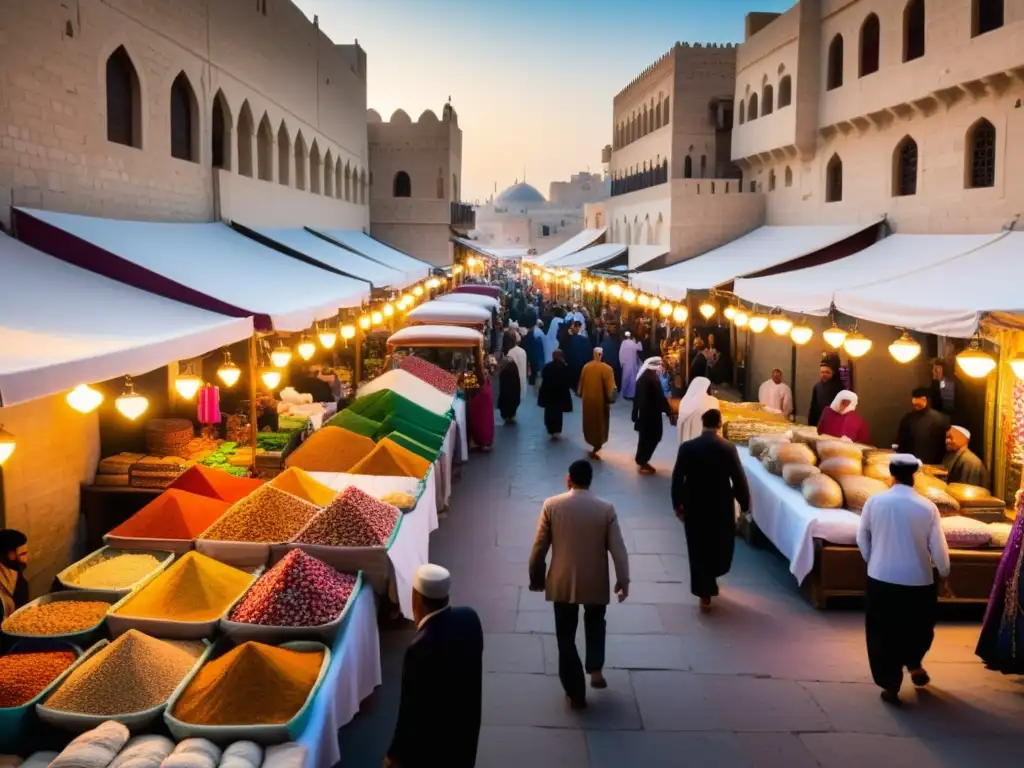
521	217
673	181
417	172
581	188
907	108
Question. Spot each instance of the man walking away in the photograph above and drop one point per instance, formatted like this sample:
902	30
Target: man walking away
555	394
900	536
597	391
442	679
581	530
649	408
707	478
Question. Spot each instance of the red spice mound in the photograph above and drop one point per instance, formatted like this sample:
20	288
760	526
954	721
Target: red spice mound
174	514
215	484
300	591
23	675
353	519
435	376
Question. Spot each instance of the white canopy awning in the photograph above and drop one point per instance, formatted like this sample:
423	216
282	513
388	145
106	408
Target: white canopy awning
207	265
591	257
644	254
478	299
762	249
949	297
575	243
342	259
414	269
61	326
412	388
444	312
452	336
811	291
491	253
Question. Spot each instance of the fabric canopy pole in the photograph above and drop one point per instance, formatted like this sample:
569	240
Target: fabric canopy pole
253	418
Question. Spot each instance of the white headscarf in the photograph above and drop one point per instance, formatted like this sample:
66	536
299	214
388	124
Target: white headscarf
651	363
693	400
845	395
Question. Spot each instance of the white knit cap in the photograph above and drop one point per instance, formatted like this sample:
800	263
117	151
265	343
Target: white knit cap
962	431
904	460
432	581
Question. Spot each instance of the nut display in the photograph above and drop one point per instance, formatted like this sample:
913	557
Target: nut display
353	519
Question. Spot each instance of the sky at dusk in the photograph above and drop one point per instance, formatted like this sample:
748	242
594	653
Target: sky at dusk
531	80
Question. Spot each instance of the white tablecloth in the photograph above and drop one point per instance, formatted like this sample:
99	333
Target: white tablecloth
461	453
443	466
789	522
352	675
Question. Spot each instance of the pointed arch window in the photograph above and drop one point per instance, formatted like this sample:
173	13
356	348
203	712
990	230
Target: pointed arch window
785	91
870	44
301	162
666	117
315	168
284	155
743	112
328	174
348	183
905	168
771	180
688	167
124	101
981	155
788	178
265	150
184	120
986	16
767	100
913	30
752	107
221	131
834	180
835	64
246	131
402	185
703	166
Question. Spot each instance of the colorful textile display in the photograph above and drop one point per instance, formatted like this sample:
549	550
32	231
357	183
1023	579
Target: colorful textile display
1001	645
209	405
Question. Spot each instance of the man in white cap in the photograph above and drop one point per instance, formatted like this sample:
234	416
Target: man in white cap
901	539
439	715
963	464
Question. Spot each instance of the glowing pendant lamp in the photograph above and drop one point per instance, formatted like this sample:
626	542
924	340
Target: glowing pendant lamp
1017	364
856	344
708	310
84	398
433	283
389	309
666	309
187	384
974	362
629	295
281	356
643	300
801	334
741	319
376	318
348	332
327	338
655	302
615	290
7	444
271	378
679	314
904	349
781	325
730	312
471	262
757	323
364	322
417	291
229	373
306	348
835	336
535	272
130	403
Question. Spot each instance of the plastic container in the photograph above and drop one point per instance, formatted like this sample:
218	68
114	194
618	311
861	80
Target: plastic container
241	554
65	577
241	632
75	722
261	734
83	638
15	721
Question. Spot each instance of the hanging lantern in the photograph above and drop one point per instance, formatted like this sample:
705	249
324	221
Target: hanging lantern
470	262
602	287
615	290
655	302
904	349
576	277
975	362
417	291
348	332
7	444
535	272
757	323
457	269
835	336
643	300
1017	364
801	334
740	319
857	344
729	312
281	356
129	403
589	286
328	338
306	348
666	309
629	295
376	318
781	325
707	309
229	373
679	314
433	283
187	384
84	399
364	322
408	299
389	309
271	378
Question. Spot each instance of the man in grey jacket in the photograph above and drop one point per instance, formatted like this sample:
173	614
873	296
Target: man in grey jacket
581	530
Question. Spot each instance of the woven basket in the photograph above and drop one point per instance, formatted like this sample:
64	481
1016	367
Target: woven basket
168	437
741	430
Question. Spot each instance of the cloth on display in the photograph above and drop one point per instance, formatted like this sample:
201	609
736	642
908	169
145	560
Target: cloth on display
1001	644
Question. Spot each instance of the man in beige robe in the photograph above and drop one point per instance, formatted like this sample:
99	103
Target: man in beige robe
597	390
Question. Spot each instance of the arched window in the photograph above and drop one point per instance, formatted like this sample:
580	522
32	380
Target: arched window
338	177
688	167
703	166
752	107
904	159
184	120
265	150
986	15
981	155
646	127
348	183
657	116
835	64
665	119
301	161
246	131
658	227
328	174
743	112
220	155
124	101
834	180
870	41
545	230
788	176
771	180
913	30
440	184
362	187
284	155
315	168
785	91
767	100
402	185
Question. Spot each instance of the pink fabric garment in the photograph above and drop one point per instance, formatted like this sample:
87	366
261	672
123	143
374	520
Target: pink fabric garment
209	405
481	415
847	424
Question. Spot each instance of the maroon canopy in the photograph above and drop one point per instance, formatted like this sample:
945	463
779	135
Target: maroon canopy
483	290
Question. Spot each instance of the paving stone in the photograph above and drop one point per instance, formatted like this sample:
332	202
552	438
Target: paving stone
535	747
536	622
513	653
662	749
539	700
856	750
659	542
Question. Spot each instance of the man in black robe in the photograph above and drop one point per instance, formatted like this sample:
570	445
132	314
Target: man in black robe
707	479
509	386
922	432
578	352
649	406
825	390
555	394
442	681
962	464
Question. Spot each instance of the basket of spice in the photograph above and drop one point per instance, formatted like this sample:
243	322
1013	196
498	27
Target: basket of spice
109	569
253	691
74	616
185	602
29	670
129	680
300	598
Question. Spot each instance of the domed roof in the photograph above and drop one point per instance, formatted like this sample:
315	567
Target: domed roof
520	194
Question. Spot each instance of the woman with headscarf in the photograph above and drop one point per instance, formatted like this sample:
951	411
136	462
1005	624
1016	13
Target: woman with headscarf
480	410
554	395
533	345
695	403
551	339
840	419
649	406
629	362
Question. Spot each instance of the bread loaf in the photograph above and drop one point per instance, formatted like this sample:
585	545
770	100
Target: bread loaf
968	496
759	444
822	491
792	453
877	470
923	481
947	505
795	474
840	449
837	466
857	489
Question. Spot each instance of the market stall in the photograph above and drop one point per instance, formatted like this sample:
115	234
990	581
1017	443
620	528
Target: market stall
466	314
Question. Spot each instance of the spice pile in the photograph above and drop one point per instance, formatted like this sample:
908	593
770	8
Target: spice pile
119	570
399	499
215	484
300	591
352	422
268	516
173	514
436	377
195	588
392	460
253	684
135	672
354	519
330	449
23	676
60	617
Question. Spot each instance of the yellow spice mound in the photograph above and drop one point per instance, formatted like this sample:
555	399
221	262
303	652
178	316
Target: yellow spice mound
195	588
116	572
300	483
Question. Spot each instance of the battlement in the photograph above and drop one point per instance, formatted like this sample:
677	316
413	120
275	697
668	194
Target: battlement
401	117
679	49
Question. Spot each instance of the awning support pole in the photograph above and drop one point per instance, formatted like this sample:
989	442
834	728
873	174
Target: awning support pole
253	419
